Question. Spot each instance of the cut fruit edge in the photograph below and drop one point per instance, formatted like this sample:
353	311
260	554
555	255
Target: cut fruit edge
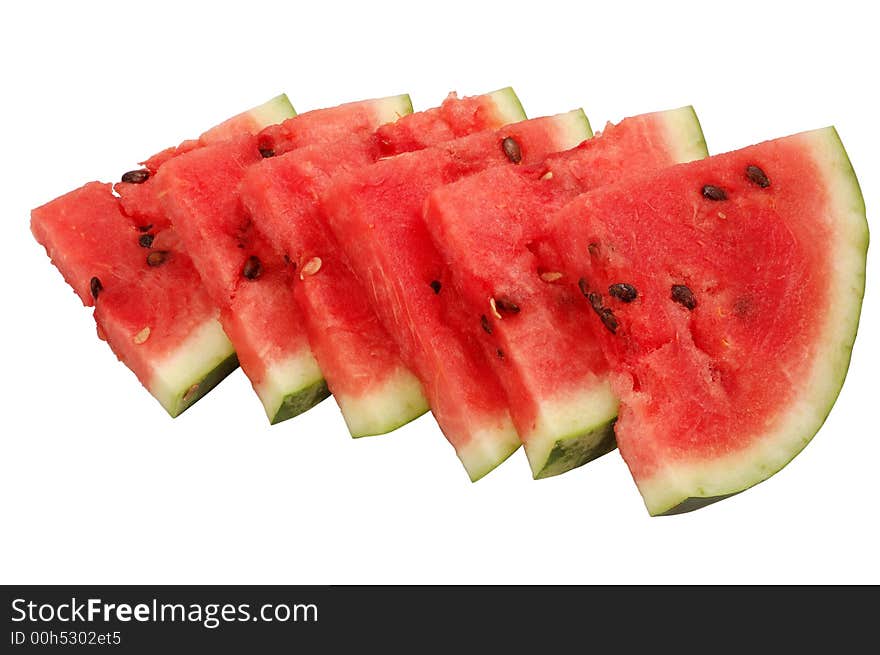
488	448
586	419
194	368
393	403
291	386
689	485
389	109
685	134
508	107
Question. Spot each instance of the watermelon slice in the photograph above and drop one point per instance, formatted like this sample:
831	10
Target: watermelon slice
375	213
375	391
555	378
745	273
243	274
150	305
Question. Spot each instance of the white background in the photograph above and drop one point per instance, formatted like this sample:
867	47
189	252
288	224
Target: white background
98	485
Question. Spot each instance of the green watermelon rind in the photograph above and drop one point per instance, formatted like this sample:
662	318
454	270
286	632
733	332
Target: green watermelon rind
690	486
291	386
587	421
391	108
508	107
492	446
391	404
273	111
195	367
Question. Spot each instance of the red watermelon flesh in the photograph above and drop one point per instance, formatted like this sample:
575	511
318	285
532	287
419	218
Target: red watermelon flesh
157	318
554	376
153	311
749	269
139	200
245	276
375	391
375	213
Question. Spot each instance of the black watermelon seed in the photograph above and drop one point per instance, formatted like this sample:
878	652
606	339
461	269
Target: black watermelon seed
711	192
500	353
511	149
757	176
594	249
584	286
436	286
266	153
136	177
684	296
484	322
146	240
145	228
95	287
157	257
623	292
609	320
595	302
252	268
506	305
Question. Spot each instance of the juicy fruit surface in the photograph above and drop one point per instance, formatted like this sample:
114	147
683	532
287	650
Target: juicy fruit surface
145	312
554	376
245	276
378	211
361	363
749	270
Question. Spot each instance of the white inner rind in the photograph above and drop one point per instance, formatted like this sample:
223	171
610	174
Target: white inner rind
398	400
388	110
574	128
568	417
507	106
276	110
286	378
685	135
195	358
795	426
489	447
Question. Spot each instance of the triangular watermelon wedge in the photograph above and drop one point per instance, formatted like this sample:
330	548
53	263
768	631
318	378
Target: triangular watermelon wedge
747	273
555	379
375	390
251	281
376	215
119	254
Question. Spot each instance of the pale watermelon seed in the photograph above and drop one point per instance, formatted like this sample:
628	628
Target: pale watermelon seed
511	149
551	276
141	336
310	268
157	258
547	176
136	177
494	308
190	392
